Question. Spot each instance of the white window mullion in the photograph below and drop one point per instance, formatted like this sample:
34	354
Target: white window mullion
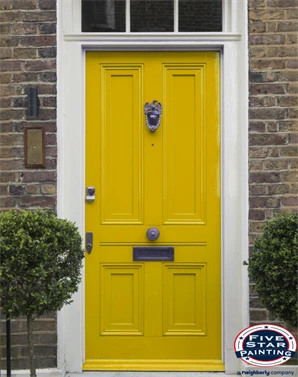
127	16
176	16
226	16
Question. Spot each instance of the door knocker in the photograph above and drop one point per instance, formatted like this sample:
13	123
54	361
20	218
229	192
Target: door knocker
153	112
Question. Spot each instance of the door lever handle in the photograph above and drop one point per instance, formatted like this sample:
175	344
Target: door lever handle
89	242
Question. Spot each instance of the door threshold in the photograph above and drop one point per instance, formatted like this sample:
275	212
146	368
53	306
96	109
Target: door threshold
147	374
154	365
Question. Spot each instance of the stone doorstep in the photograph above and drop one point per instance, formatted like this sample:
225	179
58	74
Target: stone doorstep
57	373
147	374
47	372
246	371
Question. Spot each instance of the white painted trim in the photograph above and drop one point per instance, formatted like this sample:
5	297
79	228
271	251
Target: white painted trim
176	16
71	157
226	16
152	37
76	15
127	16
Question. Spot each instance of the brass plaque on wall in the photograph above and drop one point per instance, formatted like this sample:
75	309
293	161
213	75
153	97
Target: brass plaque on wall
35	147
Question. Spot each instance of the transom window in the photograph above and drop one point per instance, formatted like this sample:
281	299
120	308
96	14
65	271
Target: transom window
114	16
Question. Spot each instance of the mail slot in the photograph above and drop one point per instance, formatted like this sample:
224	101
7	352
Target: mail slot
153	253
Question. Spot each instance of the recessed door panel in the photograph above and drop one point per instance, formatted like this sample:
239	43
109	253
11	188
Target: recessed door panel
122	299
184	299
121	144
184	144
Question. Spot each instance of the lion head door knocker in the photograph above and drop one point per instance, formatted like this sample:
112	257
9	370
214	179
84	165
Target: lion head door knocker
153	112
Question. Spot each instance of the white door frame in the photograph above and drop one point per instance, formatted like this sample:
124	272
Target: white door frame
234	156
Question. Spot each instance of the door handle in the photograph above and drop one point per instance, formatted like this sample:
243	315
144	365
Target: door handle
89	242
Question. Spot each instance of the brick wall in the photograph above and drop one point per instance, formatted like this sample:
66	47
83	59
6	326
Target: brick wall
44	338
28	59
273	125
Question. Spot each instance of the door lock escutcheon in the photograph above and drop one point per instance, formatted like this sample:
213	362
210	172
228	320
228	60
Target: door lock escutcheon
89	242
90	194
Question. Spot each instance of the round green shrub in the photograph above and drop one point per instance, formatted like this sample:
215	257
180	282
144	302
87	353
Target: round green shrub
273	267
41	259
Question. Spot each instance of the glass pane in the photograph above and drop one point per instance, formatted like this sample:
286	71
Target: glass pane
103	16
152	15
200	15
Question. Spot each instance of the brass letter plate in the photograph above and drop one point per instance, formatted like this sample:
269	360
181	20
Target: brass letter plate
153	253
35	147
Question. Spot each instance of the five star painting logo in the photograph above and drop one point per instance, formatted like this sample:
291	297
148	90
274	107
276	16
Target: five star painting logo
265	345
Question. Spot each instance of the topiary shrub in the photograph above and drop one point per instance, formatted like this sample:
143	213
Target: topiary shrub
273	267
41	259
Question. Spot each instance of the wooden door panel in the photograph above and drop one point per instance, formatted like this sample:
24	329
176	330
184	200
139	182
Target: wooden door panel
184	188
122	299
121	162
168	233
149	315
184	303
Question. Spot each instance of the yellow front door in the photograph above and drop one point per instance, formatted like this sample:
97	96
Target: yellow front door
160	314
